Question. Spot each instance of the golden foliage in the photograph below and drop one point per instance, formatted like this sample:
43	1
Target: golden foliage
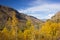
48	31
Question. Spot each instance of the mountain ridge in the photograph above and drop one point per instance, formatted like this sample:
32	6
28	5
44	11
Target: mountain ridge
7	12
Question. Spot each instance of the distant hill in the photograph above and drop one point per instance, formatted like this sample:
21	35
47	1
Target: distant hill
7	12
56	17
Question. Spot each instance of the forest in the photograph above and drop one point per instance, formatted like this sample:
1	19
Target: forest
29	19
48	30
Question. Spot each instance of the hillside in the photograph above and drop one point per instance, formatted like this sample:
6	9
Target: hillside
56	17
7	12
19	26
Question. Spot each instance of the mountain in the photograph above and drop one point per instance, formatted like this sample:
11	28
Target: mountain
44	19
7	12
56	17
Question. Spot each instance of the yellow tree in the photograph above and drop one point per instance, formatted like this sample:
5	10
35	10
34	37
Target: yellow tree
36	33
5	34
58	32
5	31
29	32
14	24
49	31
28	24
20	35
8	24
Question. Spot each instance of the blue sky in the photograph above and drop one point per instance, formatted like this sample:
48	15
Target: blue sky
41	9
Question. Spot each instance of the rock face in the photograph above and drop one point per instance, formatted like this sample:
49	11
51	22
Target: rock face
6	13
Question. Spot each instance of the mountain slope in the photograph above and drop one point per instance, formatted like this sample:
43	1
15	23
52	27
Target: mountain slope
7	12
56	17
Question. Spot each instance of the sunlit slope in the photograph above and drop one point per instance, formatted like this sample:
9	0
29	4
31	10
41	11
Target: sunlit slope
8	14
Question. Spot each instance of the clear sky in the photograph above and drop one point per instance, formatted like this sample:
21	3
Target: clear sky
42	9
